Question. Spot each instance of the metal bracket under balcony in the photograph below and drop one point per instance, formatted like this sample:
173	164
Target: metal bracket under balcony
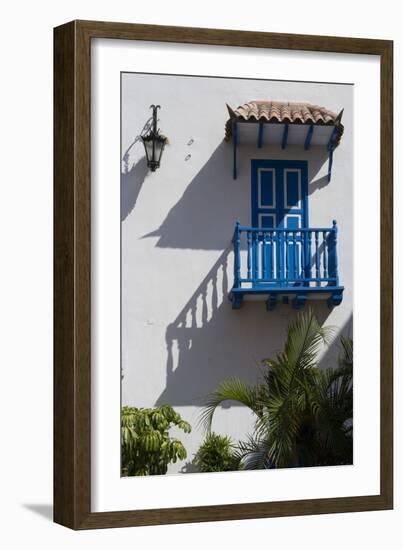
287	265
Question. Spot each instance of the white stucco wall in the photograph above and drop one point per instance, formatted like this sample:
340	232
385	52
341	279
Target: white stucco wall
180	337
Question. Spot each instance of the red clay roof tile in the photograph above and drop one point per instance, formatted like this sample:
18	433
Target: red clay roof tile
283	112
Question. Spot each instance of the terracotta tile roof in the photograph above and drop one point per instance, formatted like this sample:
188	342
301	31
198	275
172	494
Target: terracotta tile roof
284	112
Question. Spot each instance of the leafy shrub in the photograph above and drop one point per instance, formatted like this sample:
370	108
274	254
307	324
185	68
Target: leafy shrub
147	448
216	454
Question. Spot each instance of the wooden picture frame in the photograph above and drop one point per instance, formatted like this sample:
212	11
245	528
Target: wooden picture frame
72	270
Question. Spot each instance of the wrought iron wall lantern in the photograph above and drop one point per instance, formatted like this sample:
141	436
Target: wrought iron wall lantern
154	143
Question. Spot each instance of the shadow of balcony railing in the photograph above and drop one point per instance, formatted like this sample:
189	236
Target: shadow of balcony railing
207	342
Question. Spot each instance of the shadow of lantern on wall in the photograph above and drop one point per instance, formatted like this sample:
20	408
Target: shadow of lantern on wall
154	142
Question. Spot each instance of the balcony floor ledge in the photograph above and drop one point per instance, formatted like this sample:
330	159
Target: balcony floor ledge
297	295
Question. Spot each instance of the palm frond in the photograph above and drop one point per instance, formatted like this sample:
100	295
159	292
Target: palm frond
290	379
332	407
253	453
346	357
305	339
232	389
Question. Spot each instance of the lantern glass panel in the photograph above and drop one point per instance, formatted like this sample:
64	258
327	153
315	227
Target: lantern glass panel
159	147
148	146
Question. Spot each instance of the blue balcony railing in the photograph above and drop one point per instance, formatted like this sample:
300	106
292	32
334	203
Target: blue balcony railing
297	262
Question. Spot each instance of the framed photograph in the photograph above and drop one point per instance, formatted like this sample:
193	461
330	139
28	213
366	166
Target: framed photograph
222	274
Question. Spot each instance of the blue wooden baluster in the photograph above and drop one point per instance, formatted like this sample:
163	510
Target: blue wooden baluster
280	248
302	269
336	267
264	256
317	261
287	257
325	272
271	255
255	263
237	254
295	246
309	273
249	259
290	256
